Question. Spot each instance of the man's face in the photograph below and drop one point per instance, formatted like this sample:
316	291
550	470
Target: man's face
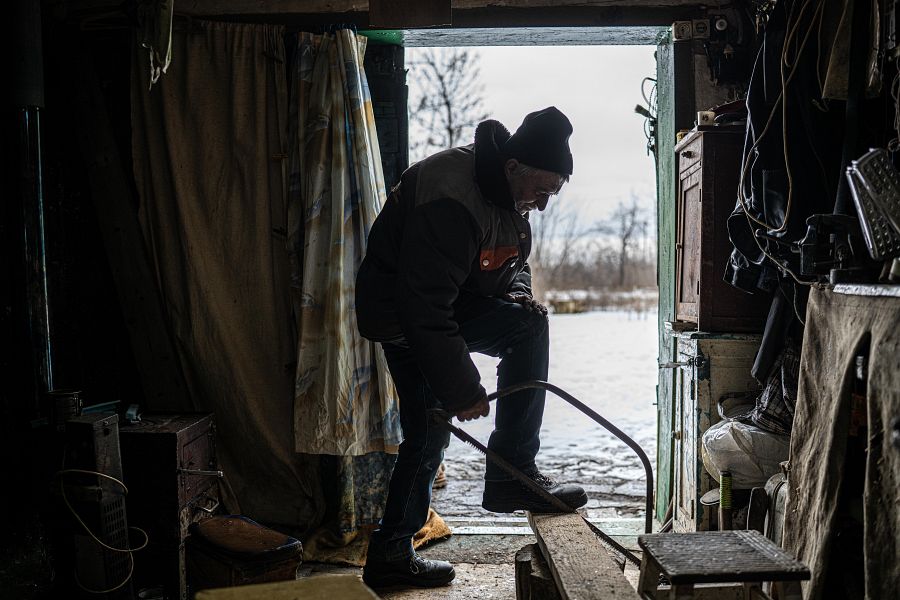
533	188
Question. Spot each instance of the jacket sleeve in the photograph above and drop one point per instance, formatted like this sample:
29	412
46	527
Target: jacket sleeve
440	244
522	283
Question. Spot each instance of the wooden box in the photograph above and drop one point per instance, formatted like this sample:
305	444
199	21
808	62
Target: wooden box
709	366
233	550
709	165
165	497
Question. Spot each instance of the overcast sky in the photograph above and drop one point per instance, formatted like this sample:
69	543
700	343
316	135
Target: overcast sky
597	87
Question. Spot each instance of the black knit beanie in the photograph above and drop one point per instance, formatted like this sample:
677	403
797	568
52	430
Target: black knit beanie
542	141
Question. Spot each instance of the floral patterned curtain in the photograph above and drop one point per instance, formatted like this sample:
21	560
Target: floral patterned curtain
344	400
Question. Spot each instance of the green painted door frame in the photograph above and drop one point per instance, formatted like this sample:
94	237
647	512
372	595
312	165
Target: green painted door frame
675	88
682	86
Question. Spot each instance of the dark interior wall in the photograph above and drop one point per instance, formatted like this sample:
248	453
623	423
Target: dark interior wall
386	74
89	343
88	340
92	351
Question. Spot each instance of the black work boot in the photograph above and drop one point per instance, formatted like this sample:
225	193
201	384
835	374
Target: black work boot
413	571
511	495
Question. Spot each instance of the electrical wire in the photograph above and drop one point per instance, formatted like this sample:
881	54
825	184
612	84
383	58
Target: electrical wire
819	62
650	120
62	490
792	298
781	103
894	144
784	120
112	589
649	100
129	551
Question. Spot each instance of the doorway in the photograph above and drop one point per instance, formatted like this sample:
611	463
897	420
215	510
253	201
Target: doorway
593	258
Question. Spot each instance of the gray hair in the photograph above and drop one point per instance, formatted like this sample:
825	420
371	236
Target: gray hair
522	169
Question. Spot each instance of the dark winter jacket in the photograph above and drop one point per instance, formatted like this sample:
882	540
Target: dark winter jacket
449	228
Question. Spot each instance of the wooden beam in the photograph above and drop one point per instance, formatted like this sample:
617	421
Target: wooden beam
257	7
582	568
532	36
464	14
391	14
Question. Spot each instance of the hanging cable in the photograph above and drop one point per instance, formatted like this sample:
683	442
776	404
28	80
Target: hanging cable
777	106
894	144
649	113
129	551
784	120
780	103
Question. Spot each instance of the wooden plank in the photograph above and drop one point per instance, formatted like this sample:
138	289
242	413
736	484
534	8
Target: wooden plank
532	36
391	14
318	587
469	4
581	566
162	380
533	578
471	14
236	7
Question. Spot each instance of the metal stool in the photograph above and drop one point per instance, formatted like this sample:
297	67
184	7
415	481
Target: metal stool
747	557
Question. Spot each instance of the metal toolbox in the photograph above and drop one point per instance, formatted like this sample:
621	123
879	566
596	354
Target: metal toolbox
172	474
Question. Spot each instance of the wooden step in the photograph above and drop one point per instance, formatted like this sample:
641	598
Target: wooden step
582	568
533	578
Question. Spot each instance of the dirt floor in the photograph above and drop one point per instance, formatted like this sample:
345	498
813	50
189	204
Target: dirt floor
483	554
484	568
573	449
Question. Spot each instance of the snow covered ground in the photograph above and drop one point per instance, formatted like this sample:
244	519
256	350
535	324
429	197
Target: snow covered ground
608	361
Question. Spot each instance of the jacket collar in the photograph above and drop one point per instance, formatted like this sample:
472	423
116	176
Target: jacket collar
490	136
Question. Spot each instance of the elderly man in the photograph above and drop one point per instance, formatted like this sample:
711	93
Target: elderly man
445	274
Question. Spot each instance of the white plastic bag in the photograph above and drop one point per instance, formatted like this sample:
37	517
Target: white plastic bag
751	454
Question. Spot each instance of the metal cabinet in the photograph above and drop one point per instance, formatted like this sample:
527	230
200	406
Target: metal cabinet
170	469
708	367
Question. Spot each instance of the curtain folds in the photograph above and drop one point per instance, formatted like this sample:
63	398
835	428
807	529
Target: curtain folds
251	199
209	147
344	401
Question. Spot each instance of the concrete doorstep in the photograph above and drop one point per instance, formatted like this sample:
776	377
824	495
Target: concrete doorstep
497	556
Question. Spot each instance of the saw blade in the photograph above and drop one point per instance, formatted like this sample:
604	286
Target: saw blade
442	419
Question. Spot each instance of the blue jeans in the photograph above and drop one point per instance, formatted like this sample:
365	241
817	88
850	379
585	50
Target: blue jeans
492	326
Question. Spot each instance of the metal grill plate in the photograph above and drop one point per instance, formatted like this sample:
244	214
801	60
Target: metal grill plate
720	557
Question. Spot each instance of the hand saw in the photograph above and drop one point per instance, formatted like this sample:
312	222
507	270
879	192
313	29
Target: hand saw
441	418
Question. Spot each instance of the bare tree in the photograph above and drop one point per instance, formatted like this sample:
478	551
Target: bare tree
445	99
627	224
556	237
